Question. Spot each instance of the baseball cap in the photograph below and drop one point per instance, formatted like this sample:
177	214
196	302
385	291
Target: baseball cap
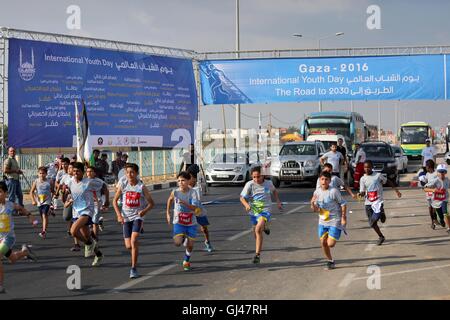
442	168
427	140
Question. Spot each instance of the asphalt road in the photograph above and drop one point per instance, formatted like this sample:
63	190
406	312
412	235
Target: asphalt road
412	264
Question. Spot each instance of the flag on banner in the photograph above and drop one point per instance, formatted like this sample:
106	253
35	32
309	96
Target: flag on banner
84	149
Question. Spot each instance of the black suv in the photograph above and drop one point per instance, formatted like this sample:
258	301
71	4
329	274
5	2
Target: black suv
383	158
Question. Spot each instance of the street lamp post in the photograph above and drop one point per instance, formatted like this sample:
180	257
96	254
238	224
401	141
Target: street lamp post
337	34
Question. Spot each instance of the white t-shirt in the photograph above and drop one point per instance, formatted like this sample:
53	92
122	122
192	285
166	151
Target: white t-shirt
428	153
360	156
333	158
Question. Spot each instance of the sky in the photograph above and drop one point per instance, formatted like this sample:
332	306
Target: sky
209	25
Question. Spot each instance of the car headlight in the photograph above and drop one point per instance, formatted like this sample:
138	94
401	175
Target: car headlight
237	169
309	163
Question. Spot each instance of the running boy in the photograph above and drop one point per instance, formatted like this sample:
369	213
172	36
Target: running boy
425	177
332	210
82	200
439	188
101	188
136	203
256	198
371	187
202	219
41	196
7	235
336	182
186	208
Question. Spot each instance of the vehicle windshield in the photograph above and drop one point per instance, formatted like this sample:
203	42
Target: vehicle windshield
229	158
414	135
298	150
377	151
329	126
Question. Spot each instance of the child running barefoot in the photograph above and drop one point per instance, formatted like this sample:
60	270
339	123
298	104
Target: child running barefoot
425	177
41	196
439	189
371	186
332	218
7	235
257	201
186	208
202	219
136	203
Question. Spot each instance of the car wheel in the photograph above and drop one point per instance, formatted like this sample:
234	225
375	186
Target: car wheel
276	182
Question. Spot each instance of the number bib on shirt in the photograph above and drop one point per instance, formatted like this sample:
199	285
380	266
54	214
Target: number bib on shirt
133	199
440	195
185	218
325	214
42	198
372	195
429	194
5	223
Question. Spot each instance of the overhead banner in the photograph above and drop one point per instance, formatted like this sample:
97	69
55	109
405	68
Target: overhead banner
132	99
320	79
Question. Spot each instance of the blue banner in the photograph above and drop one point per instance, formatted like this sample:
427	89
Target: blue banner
315	79
132	99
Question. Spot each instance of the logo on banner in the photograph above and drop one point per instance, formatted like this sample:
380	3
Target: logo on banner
26	69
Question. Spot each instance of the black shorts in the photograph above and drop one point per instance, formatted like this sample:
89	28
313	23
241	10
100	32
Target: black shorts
44	209
132	226
372	217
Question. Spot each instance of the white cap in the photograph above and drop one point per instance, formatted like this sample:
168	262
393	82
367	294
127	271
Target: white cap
441	168
427	140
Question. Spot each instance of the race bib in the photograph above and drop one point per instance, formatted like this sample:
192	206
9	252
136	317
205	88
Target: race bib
185	218
133	199
42	198
5	223
372	196
324	214
429	194
440	195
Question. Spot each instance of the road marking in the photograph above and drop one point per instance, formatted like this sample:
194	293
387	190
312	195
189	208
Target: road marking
142	279
369	247
294	210
240	234
349	277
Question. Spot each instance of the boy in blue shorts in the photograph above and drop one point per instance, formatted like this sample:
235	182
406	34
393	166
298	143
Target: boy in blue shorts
332	210
7	235
439	194
41	196
257	201
186	208
202	219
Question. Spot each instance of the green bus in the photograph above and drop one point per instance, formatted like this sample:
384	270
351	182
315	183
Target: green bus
412	137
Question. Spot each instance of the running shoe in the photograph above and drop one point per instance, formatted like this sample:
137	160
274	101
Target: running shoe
76	247
267	228
89	250
330	265
100	224
52	211
30	255
134	274
433	225
442	223
380	241
42	234
97	261
186	265
208	246
448	230
256	259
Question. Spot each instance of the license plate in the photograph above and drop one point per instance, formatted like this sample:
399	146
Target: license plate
223	176
291	172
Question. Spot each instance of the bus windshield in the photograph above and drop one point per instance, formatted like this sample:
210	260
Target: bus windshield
329	126
414	135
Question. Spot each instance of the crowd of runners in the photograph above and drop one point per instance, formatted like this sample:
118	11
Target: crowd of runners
86	197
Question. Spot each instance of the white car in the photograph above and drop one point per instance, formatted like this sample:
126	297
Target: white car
400	158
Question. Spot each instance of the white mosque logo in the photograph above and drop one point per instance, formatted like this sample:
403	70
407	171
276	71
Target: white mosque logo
26	69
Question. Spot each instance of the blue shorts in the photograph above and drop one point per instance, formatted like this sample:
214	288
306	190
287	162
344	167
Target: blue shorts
44	209
332	232
203	221
89	223
442	210
6	244
132	226
188	231
263	215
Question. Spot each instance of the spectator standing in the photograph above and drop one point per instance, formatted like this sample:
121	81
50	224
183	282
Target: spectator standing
12	172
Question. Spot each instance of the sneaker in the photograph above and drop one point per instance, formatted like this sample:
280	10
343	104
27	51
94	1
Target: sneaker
442	223
186	265
97	261
76	247
30	255
267	231
52	211
448	230
380	241
330	265
208	246
256	259
100	224
42	234
89	250
134	274
433	225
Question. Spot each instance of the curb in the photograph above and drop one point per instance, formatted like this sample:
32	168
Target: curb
161	186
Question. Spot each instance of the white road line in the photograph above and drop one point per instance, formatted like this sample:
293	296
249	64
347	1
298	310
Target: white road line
142	279
349	277
294	210
240	234
369	247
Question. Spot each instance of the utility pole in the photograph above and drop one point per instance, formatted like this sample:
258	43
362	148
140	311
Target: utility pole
224	130
238	106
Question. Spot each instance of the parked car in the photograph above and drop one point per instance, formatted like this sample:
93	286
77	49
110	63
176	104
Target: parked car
400	158
230	168
297	161
383	157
